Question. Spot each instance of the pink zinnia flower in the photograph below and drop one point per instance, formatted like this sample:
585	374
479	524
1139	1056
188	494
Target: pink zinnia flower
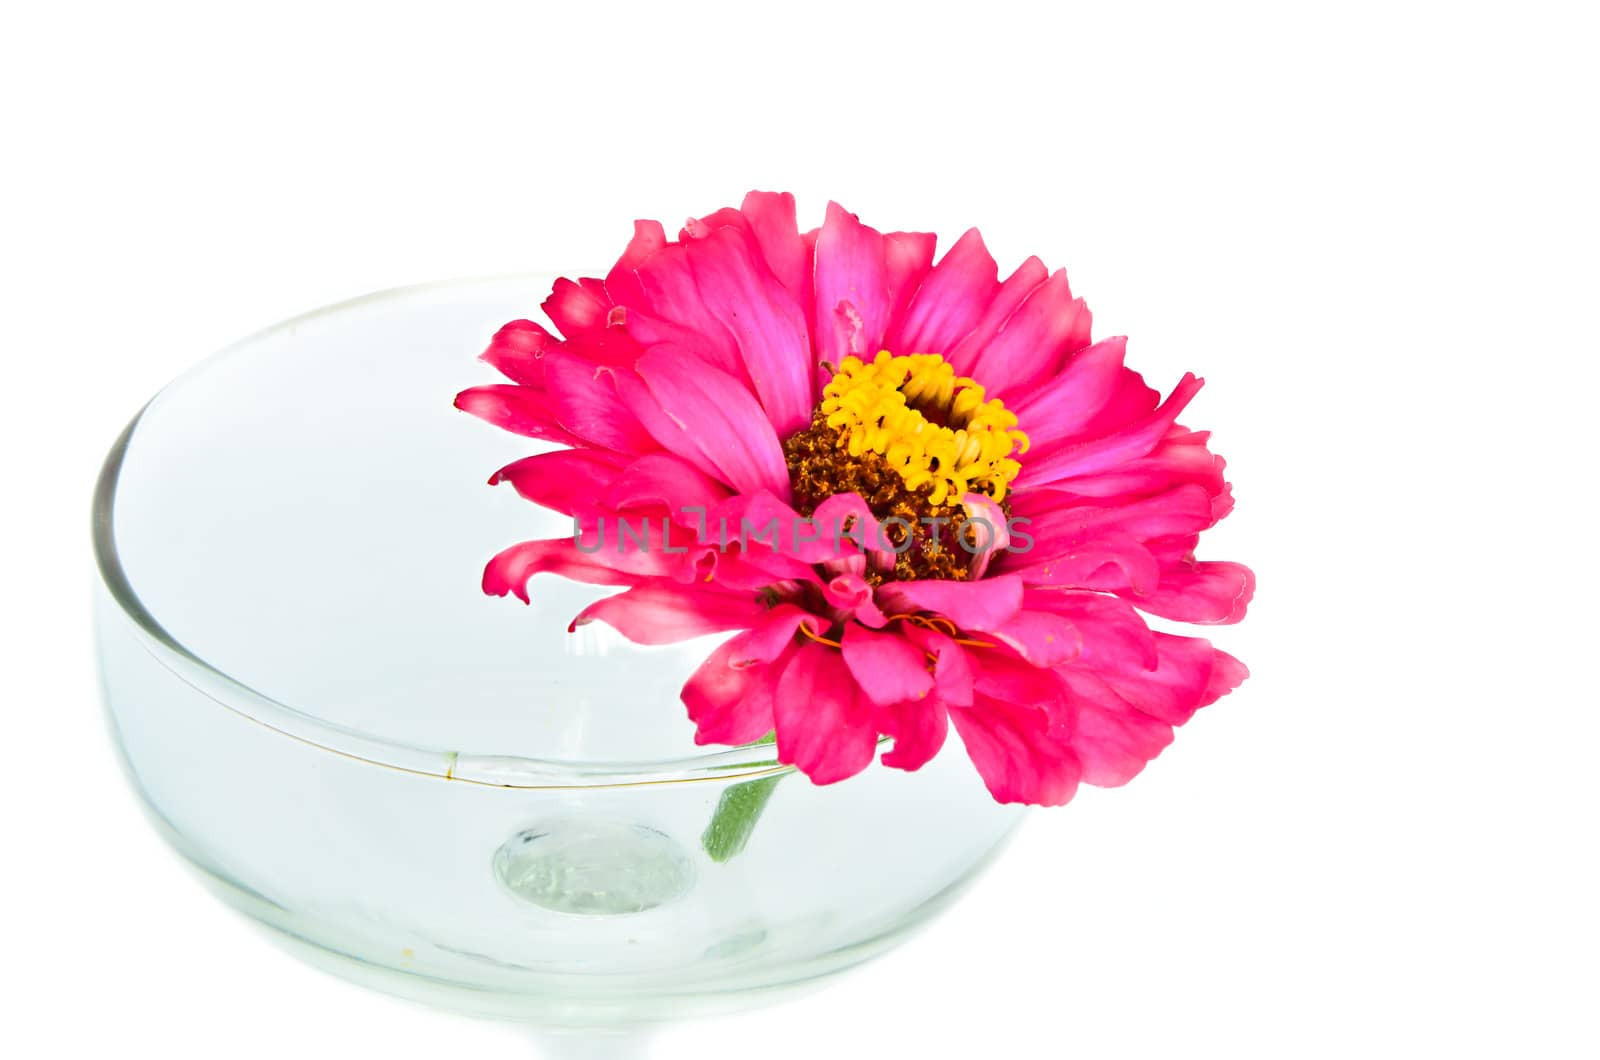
748	374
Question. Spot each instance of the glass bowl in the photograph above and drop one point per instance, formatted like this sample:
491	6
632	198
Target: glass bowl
438	793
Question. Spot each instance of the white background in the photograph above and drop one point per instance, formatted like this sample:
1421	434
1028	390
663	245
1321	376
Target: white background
1371	227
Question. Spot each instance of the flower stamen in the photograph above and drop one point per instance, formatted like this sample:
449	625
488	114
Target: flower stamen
932	427
916	442
819	638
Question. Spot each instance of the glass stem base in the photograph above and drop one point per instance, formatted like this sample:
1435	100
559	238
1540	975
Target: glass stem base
592	1045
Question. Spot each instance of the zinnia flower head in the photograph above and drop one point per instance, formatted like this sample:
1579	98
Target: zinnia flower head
960	503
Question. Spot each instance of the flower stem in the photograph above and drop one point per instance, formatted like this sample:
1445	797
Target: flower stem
737	813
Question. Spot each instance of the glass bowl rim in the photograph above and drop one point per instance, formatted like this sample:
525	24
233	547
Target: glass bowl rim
725	764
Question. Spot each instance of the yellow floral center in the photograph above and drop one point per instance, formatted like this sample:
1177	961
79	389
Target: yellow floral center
912	439
934	428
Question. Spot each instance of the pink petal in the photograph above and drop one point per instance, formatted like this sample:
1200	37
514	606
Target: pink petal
918	728
568	480
646	330
852	596
671	310
585	400
1227	673
726	217
1130	443
1191	674
989	527
611	345
952	670
509	570
729	704
998	674
1012	293
950	301
844	519
772	223
987	604
518	409
1130	400
759	519
1110	562
768	325
1059	522
825	727
1071	543
852	288
1209	593
1010	744
621	284
1032	346
1112	739
665	613
749	537
1113	635
516	349
752	571
574	307
662	480
888	667
760	522
907	257
730	696
778	629
710	419
1041	637
1063	406
1180	458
